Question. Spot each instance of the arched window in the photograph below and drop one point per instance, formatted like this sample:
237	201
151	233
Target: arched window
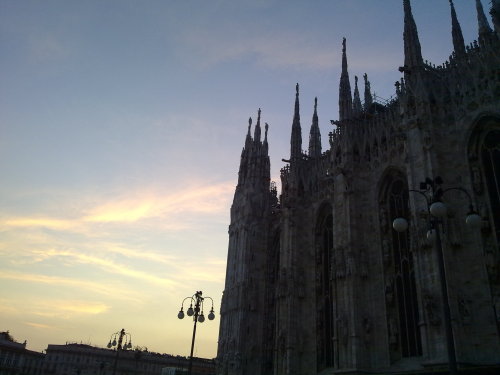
490	158
272	275
324	289
484	163
400	287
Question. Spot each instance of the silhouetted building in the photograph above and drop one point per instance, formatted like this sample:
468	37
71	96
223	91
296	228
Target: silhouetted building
318	281
84	359
15	359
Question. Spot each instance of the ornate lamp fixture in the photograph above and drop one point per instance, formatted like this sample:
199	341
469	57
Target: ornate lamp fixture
119	344
433	193
198	316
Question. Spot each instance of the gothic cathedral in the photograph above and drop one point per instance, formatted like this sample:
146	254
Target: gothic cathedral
318	281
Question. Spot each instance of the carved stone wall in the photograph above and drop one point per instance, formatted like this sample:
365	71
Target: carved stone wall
295	304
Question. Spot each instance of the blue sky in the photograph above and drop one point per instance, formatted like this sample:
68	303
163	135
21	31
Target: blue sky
121	127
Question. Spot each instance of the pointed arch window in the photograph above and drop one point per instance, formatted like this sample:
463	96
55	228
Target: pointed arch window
324	290
272	279
400	285
490	158
484	159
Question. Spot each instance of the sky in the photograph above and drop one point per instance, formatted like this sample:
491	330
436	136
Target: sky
121	128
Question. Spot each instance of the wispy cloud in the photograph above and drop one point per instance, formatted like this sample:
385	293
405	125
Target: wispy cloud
59	281
55	308
211	199
134	206
6	307
67	308
212	270
123	211
47	47
273	50
51	223
140	254
109	266
39	325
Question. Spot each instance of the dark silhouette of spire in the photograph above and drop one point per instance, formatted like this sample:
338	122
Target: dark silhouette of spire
296	139
345	98
456	32
245	155
248	140
368	93
314	134
256	136
265	144
254	156
413	52
495	15
356	103
482	22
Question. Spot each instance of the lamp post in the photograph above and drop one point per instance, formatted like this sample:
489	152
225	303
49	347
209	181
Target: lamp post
433	193
118	344
198	316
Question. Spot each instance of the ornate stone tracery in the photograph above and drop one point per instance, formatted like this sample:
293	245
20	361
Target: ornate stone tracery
400	287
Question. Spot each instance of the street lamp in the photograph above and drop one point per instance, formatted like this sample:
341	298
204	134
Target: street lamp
113	343
433	193
198	316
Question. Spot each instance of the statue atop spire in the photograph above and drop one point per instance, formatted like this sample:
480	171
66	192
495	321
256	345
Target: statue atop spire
265	144
345	97
368	93
248	139
456	33
256	136
314	134
413	51
356	103
482	22
296	139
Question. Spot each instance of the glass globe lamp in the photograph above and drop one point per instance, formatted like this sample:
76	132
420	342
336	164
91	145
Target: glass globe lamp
211	315
181	314
473	220
438	209
400	224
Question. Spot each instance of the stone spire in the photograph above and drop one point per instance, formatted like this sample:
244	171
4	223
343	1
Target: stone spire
296	139
256	136
356	104
368	93
248	140
413	52
483	25
265	144
345	98
245	155
314	134
456	33
495	15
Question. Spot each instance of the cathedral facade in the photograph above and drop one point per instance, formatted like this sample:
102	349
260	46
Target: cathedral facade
319	282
